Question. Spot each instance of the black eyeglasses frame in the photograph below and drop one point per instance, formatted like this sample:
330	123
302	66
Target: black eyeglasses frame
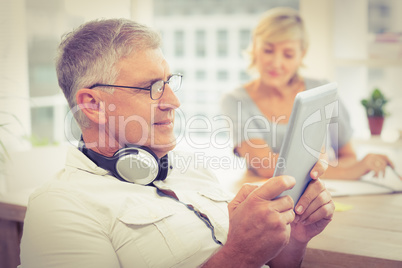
143	88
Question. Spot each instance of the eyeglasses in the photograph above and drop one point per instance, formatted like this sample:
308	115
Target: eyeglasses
156	89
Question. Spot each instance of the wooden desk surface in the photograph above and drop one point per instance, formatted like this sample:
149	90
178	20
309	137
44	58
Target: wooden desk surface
367	235
12	212
11	224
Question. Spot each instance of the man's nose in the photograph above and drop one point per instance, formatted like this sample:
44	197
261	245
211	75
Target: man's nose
169	99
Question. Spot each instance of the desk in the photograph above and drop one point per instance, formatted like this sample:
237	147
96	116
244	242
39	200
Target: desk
11	222
368	235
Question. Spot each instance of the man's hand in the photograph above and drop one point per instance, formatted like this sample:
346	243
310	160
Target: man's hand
259	224
313	213
315	208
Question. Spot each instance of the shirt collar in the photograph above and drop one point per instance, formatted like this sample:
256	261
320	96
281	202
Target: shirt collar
75	158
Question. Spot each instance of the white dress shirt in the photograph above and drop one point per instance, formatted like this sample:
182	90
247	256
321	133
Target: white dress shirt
88	218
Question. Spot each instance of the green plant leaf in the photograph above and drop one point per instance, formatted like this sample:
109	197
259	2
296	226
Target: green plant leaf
375	103
4	149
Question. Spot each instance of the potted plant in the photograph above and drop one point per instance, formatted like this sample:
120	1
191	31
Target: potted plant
375	111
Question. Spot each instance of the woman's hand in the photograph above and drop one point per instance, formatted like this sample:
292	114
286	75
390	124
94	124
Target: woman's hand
374	162
348	168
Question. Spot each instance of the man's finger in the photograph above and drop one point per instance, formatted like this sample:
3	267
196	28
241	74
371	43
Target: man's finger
274	187
244	191
283	203
288	216
314	189
319	168
324	212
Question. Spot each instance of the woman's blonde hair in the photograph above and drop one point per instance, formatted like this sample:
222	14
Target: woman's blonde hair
277	25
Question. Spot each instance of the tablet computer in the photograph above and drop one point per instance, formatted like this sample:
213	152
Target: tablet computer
306	135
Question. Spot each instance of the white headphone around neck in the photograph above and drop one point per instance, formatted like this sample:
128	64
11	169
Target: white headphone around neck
135	164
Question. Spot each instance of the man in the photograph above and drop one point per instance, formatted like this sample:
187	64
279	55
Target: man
106	210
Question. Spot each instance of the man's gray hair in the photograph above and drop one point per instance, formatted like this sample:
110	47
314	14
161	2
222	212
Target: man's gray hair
89	54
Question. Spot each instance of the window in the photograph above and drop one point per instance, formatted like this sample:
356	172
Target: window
222	43
243	76
42	127
200	43
179	43
200	75
244	40
222	75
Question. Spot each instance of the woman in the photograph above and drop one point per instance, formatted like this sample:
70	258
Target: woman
260	109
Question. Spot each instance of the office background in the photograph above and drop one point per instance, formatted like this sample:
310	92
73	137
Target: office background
356	43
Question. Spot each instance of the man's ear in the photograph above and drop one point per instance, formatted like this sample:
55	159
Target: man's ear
90	103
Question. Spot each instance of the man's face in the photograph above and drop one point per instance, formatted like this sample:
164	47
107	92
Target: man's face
132	116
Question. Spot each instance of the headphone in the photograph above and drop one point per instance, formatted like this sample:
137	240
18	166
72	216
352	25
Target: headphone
134	164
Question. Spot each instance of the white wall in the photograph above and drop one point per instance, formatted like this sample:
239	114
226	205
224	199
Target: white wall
14	92
318	17
142	11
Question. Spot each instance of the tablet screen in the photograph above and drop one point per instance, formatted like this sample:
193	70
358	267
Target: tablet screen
306	135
